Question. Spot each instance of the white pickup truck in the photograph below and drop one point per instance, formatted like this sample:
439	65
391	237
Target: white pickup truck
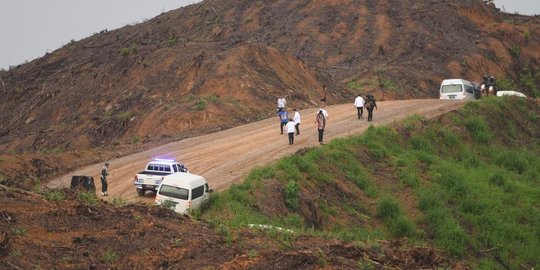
155	171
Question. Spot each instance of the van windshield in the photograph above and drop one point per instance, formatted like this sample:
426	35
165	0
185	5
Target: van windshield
452	88
174	192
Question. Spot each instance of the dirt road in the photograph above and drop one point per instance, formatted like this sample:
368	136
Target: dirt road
226	157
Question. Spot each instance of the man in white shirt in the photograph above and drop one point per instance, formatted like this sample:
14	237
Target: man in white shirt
296	119
290	130
359	104
281	102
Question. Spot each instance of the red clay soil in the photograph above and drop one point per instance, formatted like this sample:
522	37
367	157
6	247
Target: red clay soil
72	234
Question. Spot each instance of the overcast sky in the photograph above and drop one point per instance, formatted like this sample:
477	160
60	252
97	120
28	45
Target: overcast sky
30	28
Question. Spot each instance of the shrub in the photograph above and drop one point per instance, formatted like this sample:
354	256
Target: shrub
19	231
402	227
291	195
54	196
119	202
515	50
88	198
172	41
109	256
124	51
388	208
201	105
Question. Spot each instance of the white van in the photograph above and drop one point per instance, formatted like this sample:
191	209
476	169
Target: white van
456	89
183	191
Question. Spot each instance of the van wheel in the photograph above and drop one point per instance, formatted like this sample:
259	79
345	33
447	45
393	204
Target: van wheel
141	192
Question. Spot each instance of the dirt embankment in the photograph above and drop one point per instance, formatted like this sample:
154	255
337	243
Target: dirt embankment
225	157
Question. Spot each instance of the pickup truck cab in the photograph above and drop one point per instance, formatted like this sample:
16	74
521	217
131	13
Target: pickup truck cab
155	171
182	192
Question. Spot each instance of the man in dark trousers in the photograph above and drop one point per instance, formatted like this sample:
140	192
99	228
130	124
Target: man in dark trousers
283	118
370	105
320	121
104	174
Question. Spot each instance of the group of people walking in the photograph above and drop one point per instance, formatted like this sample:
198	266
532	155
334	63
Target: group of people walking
369	104
292	125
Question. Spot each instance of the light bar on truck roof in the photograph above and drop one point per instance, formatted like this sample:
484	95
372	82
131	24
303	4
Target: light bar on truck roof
164	160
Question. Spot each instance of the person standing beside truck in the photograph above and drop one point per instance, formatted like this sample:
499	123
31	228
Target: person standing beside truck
103	177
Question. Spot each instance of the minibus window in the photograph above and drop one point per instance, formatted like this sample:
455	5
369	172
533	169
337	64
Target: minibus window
174	192
197	192
452	88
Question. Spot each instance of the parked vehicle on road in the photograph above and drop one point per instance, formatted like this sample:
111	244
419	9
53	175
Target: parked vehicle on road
457	89
154	172
510	93
182	192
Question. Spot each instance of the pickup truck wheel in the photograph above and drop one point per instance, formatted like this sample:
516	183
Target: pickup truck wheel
141	192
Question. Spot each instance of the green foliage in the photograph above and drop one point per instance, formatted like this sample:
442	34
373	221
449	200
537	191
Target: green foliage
201	105
88	198
18	231
124	51
515	50
478	128
388	208
291	195
477	188
54	196
172	41
526	36
506	84
109	256
168	204
15	253
529	78
119	202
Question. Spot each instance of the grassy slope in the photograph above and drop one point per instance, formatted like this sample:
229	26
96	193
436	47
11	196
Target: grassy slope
467	183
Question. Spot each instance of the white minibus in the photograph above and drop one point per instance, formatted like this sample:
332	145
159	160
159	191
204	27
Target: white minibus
456	89
182	191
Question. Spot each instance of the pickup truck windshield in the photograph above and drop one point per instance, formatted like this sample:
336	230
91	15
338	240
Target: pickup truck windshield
453	88
174	192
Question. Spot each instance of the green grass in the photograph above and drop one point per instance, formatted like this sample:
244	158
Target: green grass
474	184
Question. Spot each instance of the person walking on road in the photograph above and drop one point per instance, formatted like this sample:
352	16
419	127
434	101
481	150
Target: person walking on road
320	120
296	119
281	103
104	174
359	104
291	125
283	118
370	105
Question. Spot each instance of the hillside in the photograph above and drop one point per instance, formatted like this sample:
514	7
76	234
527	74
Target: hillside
219	64
355	203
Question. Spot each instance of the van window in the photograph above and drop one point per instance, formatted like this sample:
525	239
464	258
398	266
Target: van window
167	168
452	88
197	192
151	167
469	89
175	169
174	192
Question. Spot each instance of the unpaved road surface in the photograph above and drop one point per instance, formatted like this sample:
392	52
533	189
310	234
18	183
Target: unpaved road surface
226	157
